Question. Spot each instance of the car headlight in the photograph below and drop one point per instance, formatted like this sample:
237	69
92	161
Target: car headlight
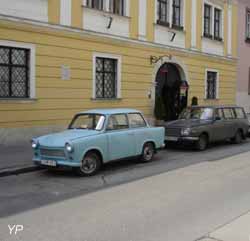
185	132
69	148
34	144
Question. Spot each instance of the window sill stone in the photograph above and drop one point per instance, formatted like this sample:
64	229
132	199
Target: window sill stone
106	99
18	101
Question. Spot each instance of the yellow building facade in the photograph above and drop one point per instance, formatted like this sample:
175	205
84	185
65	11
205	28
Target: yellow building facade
65	41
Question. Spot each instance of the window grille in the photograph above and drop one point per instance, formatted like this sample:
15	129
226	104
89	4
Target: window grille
106	78
14	72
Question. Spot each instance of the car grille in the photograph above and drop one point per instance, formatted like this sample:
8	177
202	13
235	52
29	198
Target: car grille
173	132
52	152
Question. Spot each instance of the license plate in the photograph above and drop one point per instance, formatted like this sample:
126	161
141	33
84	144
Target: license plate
50	163
171	138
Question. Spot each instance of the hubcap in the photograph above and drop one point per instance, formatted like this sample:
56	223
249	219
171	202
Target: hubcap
148	153
202	143
238	137
88	165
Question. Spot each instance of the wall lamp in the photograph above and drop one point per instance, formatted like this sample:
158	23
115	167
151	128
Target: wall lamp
155	59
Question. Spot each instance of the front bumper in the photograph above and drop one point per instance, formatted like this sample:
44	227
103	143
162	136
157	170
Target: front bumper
62	163
181	138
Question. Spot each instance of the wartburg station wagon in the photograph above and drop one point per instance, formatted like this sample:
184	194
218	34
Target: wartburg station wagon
96	137
204	124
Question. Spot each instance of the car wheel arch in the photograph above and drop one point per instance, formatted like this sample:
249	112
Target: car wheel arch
149	141
206	134
94	150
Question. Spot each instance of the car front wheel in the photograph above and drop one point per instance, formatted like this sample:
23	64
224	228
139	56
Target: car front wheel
90	164
148	152
202	143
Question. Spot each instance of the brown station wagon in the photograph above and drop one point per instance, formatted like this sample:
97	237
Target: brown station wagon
201	125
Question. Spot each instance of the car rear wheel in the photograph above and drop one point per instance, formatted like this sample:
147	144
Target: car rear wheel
238	137
202	143
148	152
90	164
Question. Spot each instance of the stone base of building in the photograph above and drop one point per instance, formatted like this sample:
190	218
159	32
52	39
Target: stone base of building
243	99
22	136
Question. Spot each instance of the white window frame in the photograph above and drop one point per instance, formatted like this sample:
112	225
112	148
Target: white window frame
213	6
170	13
247	23
217	83
119	74
106	4
32	70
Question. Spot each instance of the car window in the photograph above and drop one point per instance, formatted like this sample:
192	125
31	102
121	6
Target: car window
239	113
88	121
219	113
117	122
228	113
197	113
136	120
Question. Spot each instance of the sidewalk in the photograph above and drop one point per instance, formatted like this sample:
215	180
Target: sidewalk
237	230
16	159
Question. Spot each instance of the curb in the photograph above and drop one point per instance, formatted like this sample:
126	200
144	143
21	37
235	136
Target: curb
17	171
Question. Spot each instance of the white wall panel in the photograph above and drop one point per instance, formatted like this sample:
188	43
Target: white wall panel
212	47
142	19
65	12
163	35
31	9
98	21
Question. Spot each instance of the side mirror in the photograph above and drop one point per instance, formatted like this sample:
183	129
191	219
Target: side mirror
217	118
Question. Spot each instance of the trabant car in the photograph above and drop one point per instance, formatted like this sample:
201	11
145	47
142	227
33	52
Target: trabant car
200	125
96	137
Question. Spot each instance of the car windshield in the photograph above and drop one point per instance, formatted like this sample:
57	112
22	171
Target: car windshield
197	113
88	121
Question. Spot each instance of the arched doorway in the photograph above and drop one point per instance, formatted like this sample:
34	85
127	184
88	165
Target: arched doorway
171	92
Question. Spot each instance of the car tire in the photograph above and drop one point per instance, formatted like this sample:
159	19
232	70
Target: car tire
238	138
90	164
202	143
148	152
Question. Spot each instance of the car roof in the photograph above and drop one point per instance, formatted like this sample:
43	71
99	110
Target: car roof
110	111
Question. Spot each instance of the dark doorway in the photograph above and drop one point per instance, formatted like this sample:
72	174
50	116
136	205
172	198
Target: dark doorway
169	92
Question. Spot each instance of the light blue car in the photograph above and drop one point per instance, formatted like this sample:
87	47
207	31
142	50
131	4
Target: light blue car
96	137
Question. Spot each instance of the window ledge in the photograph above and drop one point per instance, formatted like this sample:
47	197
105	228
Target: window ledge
106	12
215	40
206	99
106	99
175	29
19	101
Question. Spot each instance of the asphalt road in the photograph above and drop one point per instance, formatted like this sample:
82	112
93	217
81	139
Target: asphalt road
32	190
194	193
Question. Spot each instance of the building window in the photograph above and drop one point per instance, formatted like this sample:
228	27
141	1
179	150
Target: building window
96	4
106	78
163	12
207	20
248	25
117	7
212	22
211	85
14	72
176	13
217	24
